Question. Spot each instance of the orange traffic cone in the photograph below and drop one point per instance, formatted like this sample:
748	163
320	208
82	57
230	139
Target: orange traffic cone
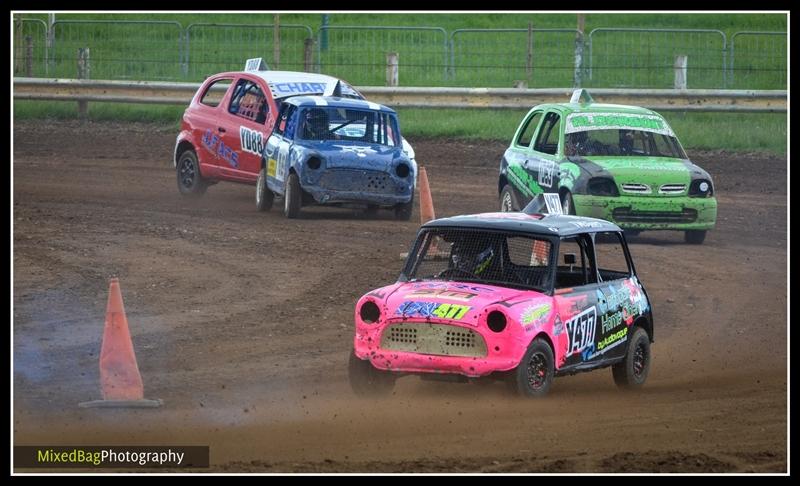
120	380
425	201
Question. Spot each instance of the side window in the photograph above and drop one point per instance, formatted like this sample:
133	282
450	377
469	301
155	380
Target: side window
576	264
249	102
215	92
547	139
526	135
285	125
612	263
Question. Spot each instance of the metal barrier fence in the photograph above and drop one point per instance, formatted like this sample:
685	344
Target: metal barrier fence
504	57
771	101
214	48
645	58
427	56
358	54
118	49
30	48
758	59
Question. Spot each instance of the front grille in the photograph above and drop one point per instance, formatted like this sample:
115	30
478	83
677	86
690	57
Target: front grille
672	189
437	339
626	215
636	188
372	181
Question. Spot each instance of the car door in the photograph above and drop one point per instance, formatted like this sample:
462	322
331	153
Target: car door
620	298
203	122
247	121
279	143
516	158
542	161
575	297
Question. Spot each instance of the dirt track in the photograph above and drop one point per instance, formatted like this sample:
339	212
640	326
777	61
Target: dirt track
242	323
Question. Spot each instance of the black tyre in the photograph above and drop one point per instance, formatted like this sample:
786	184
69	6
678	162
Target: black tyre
632	371
535	372
187	170
567	205
368	381
293	198
264	197
402	212
507	200
695	237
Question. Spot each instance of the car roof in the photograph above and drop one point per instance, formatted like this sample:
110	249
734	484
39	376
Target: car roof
337	102
570	108
291	83
542	224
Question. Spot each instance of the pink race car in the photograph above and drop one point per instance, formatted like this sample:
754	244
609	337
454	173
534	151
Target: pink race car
514	296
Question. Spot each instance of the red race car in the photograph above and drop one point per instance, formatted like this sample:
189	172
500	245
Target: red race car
225	128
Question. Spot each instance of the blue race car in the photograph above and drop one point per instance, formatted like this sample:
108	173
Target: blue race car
336	151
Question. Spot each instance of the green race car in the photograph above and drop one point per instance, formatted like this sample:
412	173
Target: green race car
613	162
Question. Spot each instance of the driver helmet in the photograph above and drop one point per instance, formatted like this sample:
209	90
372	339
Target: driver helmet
471	258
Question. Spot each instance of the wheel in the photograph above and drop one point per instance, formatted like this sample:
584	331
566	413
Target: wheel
190	182
402	212
368	381
632	371
695	237
567	205
264	196
535	372
292	199
507	203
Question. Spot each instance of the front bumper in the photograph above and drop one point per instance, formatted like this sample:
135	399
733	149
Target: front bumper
650	212
357	186
500	352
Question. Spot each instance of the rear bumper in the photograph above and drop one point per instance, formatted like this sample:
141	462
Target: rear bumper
650	213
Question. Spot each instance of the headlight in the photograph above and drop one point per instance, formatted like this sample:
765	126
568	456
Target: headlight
602	186
402	170
314	163
496	321
701	188
370	312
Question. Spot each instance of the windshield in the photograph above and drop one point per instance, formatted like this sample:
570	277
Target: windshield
622	143
328	123
473	255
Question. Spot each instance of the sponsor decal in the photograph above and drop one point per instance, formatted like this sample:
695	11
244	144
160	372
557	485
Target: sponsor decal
293	88
271	165
535	316
442	285
587	224
558	326
441	294
252	141
578	122
413	308
610	342
216	146
581	331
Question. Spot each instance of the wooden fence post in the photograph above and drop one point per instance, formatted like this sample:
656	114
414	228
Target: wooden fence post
681	62
84	72
392	68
